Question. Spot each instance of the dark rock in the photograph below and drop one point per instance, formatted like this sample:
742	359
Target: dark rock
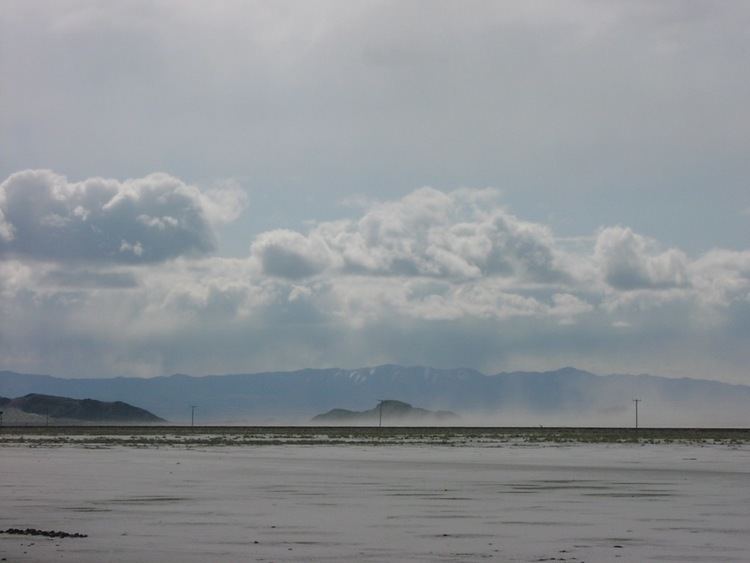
46	533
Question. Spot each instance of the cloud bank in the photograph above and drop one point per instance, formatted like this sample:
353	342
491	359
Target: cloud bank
103	277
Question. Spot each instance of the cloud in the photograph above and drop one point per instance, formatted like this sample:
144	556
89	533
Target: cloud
463	234
630	261
436	277
224	202
151	219
90	279
288	254
722	276
6	229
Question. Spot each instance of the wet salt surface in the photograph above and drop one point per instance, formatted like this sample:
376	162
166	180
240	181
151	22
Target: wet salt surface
397	503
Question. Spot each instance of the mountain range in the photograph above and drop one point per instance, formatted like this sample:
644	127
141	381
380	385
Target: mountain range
565	396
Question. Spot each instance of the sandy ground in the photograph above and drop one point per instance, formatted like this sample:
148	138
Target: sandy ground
388	503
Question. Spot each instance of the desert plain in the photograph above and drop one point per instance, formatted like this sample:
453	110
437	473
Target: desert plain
375	494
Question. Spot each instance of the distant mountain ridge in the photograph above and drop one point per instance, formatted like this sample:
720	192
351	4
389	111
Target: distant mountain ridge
552	397
84	410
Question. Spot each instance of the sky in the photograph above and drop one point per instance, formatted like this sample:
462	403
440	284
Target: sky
229	187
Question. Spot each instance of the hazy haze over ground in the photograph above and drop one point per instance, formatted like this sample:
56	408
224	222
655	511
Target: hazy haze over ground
200	188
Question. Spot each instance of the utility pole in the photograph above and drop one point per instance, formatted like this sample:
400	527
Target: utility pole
380	412
636	401
192	414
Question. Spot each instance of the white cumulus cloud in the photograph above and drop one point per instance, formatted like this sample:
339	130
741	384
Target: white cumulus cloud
463	234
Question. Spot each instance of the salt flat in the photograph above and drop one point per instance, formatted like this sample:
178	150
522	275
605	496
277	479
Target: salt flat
604	502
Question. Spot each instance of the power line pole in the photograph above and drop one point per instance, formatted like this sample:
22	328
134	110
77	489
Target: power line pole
192	414
636	401
380	412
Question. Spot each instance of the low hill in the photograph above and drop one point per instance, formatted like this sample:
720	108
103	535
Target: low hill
72	410
390	412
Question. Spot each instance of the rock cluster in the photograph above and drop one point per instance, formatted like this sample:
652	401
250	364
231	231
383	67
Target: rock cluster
45	533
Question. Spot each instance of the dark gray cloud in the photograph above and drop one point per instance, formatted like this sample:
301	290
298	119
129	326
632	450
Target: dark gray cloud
44	216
